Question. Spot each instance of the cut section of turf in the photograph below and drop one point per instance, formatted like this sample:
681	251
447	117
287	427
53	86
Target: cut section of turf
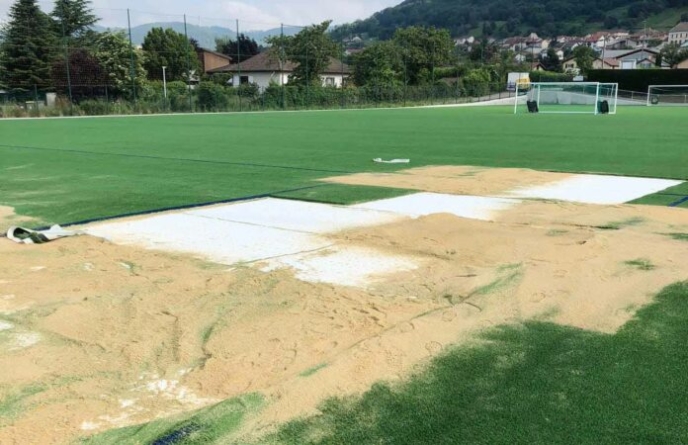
531	383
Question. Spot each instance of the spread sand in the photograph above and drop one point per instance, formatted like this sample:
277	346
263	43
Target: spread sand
460	180
97	336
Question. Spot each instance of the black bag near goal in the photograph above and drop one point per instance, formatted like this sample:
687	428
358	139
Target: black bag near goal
603	107
532	106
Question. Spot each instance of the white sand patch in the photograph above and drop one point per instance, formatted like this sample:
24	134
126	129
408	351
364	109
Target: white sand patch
297	215
5	326
356	267
423	204
172	390
126	403
596	189
89	426
25	341
224	242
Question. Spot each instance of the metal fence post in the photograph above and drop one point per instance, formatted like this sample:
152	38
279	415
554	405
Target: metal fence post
238	43
281	61
132	69
67	66
188	66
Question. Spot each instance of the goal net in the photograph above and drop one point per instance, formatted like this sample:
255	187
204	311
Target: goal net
667	95
568	97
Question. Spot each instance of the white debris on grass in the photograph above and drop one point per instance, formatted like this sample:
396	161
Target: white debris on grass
5	326
391	161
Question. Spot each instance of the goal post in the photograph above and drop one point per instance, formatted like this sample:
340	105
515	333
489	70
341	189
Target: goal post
568	98
667	95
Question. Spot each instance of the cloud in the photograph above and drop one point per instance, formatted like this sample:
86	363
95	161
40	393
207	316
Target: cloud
255	14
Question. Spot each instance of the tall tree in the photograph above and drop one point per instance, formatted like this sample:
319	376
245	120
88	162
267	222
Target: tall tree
115	55
311	50
166	47
27	48
242	49
277	50
380	63
74	18
672	54
584	57
551	61
424	49
86	76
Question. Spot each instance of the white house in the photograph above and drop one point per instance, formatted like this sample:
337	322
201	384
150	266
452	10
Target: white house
679	33
265	69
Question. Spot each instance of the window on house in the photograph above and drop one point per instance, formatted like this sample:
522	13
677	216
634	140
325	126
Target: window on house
244	80
329	81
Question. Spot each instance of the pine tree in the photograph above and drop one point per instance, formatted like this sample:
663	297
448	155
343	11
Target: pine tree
28	48
74	17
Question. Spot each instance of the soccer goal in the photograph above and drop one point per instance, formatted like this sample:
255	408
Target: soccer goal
568	98
667	95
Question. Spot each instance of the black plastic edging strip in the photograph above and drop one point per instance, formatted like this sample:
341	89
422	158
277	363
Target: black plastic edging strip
668	194
202	161
679	202
185	207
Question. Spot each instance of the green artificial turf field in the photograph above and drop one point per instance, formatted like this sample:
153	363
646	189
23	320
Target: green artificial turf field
67	170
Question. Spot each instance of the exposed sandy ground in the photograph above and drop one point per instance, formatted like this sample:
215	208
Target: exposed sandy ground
8	218
94	335
460	180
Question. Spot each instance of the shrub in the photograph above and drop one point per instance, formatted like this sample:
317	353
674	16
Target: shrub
212	97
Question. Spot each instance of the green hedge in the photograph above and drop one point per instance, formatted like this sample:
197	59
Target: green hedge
549	76
639	80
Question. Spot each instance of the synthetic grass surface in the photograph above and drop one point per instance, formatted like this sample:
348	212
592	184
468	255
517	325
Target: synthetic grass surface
536	383
66	170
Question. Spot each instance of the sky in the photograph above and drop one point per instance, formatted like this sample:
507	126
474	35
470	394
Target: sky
253	14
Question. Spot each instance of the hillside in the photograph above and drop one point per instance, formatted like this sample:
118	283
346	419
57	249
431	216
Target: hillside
205	35
503	18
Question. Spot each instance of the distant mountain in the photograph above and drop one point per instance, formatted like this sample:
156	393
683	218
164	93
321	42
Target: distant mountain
503	18
205	35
